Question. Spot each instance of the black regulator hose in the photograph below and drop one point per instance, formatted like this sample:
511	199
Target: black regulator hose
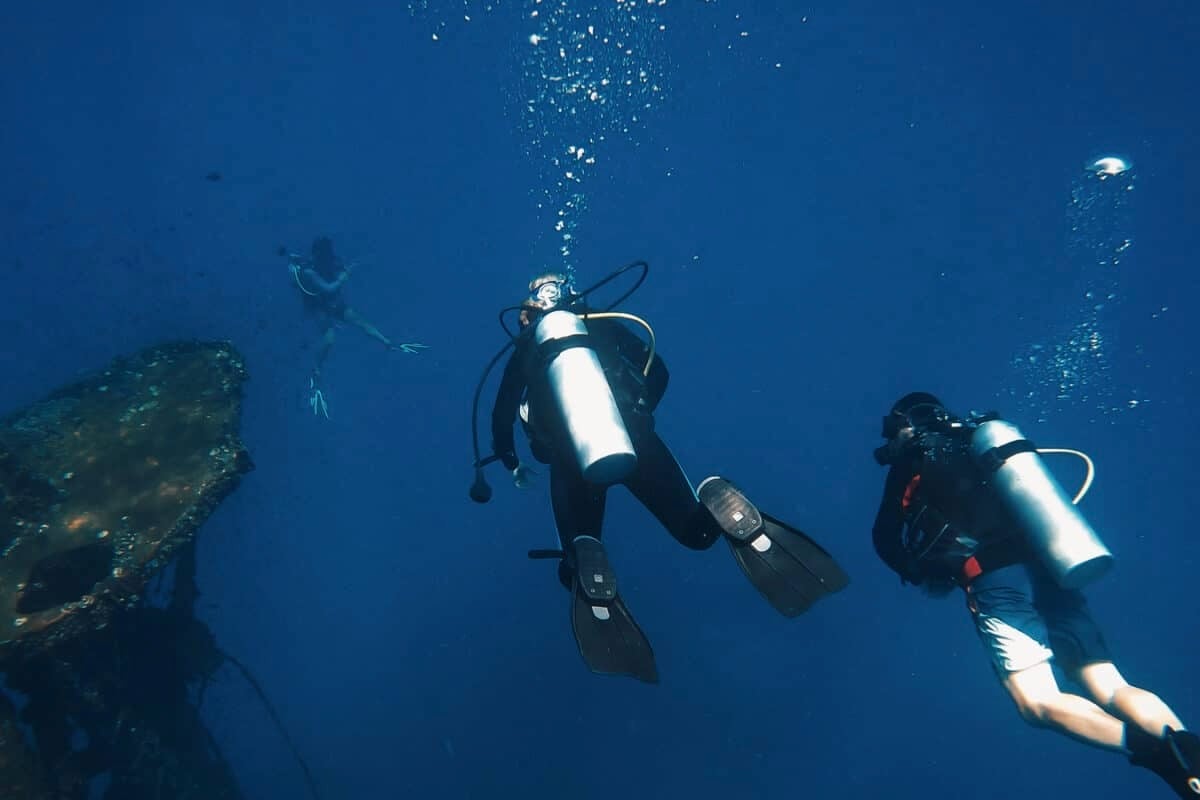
600	284
616	274
480	491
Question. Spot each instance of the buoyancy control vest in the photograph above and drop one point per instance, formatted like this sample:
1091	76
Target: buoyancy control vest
949	514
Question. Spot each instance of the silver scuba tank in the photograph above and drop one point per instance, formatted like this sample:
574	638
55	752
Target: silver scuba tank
1059	534
598	436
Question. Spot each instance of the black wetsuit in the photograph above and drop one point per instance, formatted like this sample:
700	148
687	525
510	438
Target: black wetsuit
657	482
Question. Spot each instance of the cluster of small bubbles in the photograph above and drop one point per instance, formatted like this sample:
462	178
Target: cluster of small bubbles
1067	370
589	74
1073	367
465	10
1097	218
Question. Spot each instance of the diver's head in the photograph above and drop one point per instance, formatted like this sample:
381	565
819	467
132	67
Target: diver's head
322	251
914	410
909	415
547	292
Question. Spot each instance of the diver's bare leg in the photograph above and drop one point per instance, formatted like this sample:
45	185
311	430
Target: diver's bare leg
327	340
1042	704
1108	687
354	318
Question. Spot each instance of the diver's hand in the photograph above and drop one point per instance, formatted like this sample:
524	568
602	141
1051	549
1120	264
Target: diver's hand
643	415
523	476
409	347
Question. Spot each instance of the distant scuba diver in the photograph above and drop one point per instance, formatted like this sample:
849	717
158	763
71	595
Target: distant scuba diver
585	388
968	503
319	279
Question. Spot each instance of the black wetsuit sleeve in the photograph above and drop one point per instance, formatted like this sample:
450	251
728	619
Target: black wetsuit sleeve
889	524
635	351
504	413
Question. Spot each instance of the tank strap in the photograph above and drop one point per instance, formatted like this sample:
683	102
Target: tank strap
994	459
548	350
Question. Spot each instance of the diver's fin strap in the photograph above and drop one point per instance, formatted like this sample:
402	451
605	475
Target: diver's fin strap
597	580
733	512
994	459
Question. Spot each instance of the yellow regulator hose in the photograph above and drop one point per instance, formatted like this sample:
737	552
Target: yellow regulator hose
1091	468
639	321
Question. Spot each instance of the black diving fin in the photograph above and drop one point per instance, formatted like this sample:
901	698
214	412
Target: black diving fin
1175	758
787	567
610	640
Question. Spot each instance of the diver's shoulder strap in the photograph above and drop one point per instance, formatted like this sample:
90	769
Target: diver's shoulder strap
992	460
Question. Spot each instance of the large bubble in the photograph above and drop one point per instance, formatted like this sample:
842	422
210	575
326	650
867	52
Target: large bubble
1071	368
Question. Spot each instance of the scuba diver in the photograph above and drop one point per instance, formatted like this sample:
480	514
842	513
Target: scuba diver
969	504
320	279
586	388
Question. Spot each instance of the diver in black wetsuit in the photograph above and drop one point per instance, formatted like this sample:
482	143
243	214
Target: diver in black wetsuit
949	520
320	279
785	565
657	482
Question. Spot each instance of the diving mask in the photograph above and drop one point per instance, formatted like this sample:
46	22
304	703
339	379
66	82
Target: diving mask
548	292
921	417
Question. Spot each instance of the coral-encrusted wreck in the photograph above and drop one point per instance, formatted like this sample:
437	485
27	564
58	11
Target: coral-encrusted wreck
102	484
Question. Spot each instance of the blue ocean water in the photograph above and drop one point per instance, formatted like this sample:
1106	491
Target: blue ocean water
840	203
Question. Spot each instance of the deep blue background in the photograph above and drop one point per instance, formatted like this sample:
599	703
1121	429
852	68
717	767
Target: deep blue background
885	211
